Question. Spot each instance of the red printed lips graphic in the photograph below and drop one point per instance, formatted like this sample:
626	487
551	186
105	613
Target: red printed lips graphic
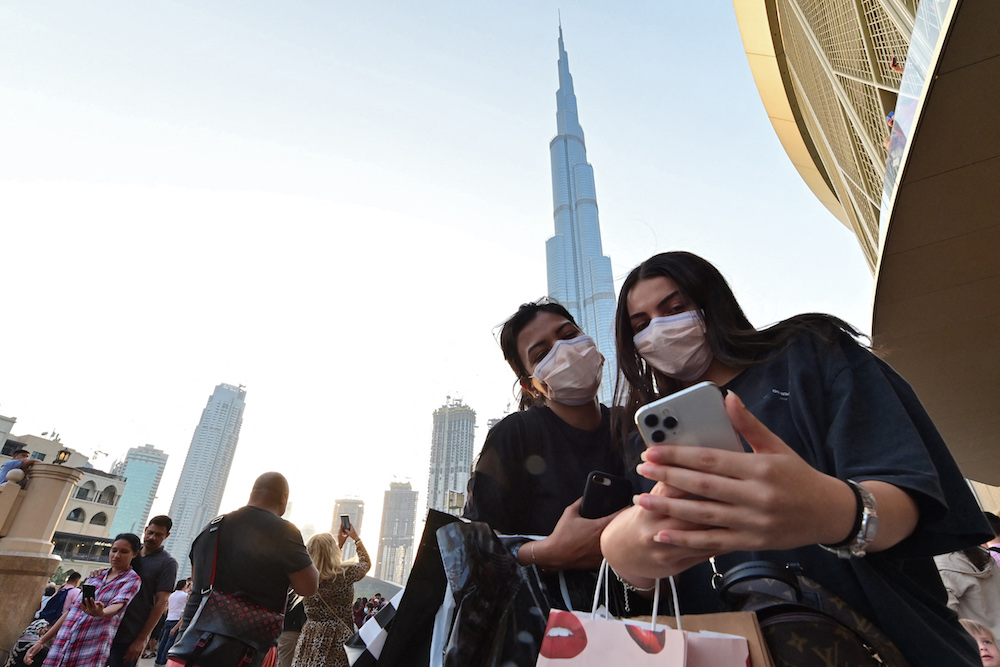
648	640
565	637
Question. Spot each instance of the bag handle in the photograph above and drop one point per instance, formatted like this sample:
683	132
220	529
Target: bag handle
214	526
756	569
602	577
335	615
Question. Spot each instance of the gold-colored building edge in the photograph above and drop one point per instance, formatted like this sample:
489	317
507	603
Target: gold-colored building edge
922	197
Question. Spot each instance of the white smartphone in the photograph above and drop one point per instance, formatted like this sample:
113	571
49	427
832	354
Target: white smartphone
692	417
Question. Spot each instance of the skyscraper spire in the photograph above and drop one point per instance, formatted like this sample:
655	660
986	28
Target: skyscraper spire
579	274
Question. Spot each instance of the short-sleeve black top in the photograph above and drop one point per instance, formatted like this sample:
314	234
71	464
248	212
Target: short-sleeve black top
848	414
533	465
159	573
257	552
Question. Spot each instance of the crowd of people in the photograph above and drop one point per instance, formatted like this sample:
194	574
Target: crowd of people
842	472
137	608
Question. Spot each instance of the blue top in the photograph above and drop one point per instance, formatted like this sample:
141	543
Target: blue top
7	467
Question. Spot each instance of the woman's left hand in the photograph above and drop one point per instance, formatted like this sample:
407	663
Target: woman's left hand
771	499
92	607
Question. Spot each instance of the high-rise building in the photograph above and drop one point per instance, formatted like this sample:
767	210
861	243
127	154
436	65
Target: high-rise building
206	470
395	545
451	456
579	274
354	508
142	468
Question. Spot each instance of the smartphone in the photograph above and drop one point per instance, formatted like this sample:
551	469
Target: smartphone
89	591
605	494
345	523
693	417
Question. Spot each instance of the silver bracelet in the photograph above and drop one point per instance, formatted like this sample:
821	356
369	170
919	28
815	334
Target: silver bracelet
630	587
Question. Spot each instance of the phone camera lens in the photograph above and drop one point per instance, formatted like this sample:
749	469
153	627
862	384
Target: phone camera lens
670	422
652	421
659	436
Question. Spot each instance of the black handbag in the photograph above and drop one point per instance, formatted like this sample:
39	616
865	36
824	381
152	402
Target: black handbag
226	630
804	625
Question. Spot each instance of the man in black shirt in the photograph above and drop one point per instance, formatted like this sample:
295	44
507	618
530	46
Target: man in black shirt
256	555
158	571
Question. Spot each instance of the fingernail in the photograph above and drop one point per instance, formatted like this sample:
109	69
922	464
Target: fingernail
645	469
662	538
738	399
643	455
637	499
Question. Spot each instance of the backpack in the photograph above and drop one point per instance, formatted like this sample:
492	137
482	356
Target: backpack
53	608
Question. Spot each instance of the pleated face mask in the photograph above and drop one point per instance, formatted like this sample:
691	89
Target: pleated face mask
571	372
676	345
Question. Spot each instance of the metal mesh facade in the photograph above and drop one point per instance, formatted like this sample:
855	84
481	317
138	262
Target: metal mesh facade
839	55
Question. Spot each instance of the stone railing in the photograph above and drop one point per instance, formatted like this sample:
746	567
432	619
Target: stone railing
28	518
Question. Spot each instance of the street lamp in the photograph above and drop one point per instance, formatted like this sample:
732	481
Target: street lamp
62	457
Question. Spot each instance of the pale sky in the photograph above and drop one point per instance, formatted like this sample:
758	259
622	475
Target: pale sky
334	203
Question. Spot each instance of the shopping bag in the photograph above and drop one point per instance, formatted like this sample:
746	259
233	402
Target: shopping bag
581	639
499	607
740	623
407	641
365	646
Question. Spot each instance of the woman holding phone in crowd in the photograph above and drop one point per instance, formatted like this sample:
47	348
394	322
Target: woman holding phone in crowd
329	622
836	437
530	476
84	633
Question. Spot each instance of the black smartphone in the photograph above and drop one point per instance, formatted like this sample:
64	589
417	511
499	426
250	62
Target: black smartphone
345	523
89	591
605	494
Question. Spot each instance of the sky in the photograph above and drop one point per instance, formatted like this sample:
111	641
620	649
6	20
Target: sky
335	203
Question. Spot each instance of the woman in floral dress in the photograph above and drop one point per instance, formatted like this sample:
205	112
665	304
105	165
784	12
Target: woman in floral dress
83	634
329	621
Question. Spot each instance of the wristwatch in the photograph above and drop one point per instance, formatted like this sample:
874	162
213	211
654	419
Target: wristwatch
865	526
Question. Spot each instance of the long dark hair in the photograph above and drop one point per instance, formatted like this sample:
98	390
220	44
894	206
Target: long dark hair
508	343
132	539
734	341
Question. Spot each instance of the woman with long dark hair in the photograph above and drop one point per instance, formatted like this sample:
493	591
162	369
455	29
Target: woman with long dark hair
846	475
530	476
83	634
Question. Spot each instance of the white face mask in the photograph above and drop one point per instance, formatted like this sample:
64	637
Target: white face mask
571	372
676	346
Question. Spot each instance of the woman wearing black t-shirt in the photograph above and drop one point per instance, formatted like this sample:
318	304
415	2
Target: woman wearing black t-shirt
836	436
530	476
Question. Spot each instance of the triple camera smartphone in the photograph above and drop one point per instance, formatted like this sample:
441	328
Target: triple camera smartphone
692	417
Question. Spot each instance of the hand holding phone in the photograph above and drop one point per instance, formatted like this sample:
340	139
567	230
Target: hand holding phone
89	591
694	417
345	523
604	494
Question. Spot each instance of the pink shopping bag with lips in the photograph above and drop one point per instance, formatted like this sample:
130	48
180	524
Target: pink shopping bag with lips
580	639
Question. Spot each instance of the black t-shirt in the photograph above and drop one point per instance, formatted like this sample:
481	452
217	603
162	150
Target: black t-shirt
532	466
158	572
849	415
257	552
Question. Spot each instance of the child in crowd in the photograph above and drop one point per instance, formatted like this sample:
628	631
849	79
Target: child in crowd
987	644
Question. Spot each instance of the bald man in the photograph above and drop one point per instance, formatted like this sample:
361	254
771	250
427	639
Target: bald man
259	556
